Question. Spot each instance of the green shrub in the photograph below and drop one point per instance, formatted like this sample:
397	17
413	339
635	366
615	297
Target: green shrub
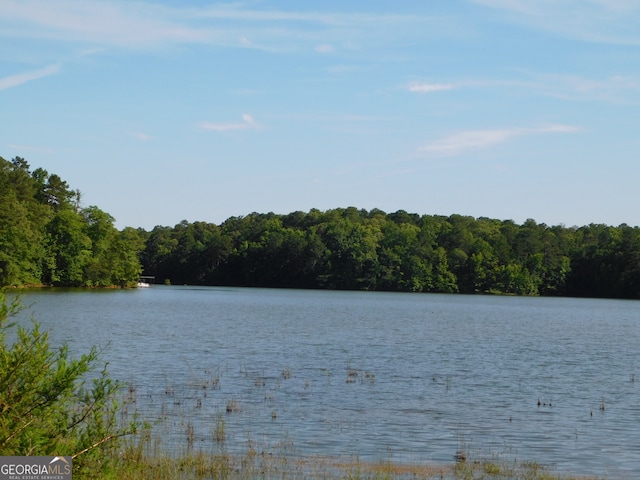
47	404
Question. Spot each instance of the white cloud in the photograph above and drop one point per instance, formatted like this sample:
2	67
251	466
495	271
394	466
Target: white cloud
421	87
464	141
248	122
20	78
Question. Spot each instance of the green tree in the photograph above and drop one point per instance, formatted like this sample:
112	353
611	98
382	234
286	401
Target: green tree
158	253
114	255
400	267
21	225
56	193
125	257
514	278
20	243
69	250
353	259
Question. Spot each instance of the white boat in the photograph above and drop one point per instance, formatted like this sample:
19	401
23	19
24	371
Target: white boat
145	281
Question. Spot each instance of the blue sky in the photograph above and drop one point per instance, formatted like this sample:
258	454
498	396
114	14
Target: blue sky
159	111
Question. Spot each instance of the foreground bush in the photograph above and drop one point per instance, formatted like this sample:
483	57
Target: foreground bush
47	404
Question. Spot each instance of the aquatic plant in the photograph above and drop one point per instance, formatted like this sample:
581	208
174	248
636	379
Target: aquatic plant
233	406
219	434
191	435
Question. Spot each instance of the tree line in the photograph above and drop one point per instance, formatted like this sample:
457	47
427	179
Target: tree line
47	237
348	248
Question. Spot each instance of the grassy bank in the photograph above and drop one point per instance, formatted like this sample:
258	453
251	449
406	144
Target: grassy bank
140	460
256	466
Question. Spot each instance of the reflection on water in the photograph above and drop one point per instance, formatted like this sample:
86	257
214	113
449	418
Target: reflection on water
406	377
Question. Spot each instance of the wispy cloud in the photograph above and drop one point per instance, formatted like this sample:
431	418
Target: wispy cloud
612	88
468	140
598	21
423	87
129	24
151	24
247	123
615	88
20	78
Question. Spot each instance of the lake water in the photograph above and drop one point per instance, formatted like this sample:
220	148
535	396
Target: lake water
384	376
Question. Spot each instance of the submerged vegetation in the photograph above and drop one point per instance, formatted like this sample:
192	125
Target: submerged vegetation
135	464
47	238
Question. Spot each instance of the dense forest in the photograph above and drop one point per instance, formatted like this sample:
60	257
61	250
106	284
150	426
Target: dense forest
373	250
46	237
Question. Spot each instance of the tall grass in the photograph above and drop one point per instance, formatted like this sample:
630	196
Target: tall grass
141	459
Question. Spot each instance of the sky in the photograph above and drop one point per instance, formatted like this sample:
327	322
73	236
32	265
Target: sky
163	111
